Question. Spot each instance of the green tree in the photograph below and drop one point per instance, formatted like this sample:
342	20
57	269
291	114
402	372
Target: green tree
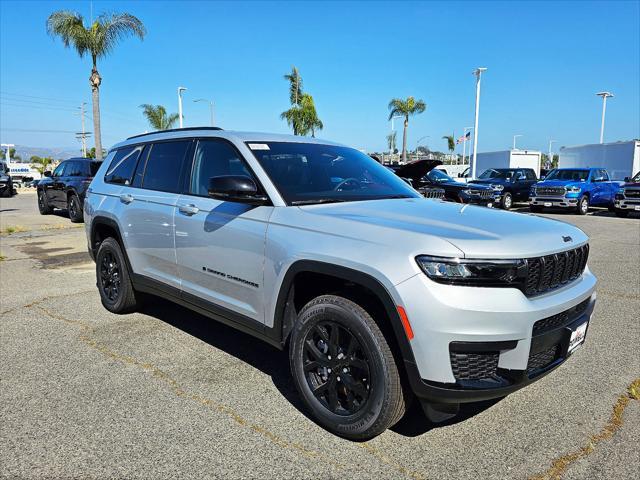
40	164
391	141
295	86
451	143
309	116
92	153
157	116
12	154
98	40
406	108
302	117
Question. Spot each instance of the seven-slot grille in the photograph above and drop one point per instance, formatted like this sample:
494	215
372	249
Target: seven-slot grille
552	271
484	194
550	191
632	192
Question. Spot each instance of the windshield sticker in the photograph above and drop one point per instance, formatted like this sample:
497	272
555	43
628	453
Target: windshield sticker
258	146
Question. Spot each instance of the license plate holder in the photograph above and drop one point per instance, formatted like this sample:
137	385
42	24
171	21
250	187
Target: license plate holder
577	337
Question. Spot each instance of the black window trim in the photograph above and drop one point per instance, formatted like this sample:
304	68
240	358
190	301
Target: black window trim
116	150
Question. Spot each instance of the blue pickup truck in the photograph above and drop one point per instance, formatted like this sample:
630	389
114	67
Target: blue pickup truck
574	188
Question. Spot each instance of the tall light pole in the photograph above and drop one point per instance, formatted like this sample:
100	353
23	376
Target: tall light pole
514	140
464	141
478	73
7	154
551	142
180	90
604	96
210	102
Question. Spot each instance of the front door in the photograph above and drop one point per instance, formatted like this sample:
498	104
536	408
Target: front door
219	244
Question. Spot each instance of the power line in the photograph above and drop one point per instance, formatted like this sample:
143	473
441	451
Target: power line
40	98
40	107
32	130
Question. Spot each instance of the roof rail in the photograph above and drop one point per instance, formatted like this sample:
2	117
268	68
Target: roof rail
185	129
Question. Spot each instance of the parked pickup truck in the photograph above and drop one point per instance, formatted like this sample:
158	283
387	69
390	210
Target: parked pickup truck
628	197
574	188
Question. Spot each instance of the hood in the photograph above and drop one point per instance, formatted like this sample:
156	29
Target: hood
417	169
420	224
561	183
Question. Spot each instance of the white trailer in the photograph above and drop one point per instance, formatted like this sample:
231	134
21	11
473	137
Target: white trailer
507	159
620	159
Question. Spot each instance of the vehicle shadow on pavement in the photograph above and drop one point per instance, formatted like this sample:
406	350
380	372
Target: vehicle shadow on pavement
244	347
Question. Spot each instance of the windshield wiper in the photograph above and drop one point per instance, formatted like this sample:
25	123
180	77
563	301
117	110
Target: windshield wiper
317	200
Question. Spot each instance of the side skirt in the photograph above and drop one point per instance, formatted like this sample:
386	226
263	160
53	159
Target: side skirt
216	312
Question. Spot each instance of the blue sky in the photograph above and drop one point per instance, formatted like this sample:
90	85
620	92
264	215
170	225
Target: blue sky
545	62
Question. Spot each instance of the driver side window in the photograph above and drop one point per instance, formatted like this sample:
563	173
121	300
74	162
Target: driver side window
214	158
59	171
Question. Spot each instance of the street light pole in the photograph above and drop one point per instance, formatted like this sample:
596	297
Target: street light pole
550	155
604	96
210	102
514	140
180	90
478	73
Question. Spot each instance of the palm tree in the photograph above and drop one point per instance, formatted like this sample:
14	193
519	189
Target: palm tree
309	116
451	143
406	108
302	117
40	164
157	116
295	86
97	40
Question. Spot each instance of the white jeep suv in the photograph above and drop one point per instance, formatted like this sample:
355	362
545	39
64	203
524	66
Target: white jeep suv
379	295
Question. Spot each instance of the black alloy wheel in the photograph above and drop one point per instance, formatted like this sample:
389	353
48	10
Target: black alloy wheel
336	368
110	277
43	205
74	208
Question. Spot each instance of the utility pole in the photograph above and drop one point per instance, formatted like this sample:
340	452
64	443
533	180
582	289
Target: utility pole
478	73
604	96
84	134
180	90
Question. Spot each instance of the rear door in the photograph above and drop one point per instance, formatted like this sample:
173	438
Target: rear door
220	244
148	210
56	187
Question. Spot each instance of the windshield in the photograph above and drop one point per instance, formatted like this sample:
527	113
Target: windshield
306	173
493	173
573	175
439	176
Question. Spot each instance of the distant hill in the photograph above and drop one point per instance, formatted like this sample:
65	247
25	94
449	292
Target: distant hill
61	153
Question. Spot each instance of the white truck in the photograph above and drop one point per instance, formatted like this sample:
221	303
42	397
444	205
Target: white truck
504	159
619	159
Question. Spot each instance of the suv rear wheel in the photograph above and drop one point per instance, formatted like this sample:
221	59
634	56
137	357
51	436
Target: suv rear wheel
75	209
114	284
344	369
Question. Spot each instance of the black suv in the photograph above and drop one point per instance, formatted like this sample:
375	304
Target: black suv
66	187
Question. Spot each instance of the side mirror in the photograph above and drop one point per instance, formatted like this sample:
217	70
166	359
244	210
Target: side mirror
47	173
235	188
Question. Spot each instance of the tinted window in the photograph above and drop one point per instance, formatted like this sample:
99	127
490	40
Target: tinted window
573	175
122	166
162	171
89	169
73	169
58	172
438	176
214	158
312	173
531	175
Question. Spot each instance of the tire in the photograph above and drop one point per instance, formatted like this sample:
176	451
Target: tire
622	213
74	207
43	204
535	208
112	278
583	205
359	392
507	201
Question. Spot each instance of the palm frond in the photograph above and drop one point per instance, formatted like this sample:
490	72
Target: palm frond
109	29
69	26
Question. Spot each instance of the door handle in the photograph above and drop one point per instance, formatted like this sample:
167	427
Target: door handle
126	198
190	209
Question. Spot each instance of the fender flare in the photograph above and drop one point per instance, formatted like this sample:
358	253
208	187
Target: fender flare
283	321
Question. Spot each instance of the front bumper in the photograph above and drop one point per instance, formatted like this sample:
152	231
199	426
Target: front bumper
472	344
563	202
627	204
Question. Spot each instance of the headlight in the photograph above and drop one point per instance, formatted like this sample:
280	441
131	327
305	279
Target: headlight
461	271
498	187
573	189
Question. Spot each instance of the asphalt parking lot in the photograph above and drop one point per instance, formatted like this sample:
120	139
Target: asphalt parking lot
168	393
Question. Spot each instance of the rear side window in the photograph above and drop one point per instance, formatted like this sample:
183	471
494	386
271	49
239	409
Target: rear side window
89	169
214	158
123	165
164	163
73	169
531	175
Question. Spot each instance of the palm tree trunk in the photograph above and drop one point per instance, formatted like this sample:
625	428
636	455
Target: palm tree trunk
94	81
404	140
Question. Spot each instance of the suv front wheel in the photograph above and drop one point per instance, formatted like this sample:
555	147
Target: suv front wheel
112	277
344	369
